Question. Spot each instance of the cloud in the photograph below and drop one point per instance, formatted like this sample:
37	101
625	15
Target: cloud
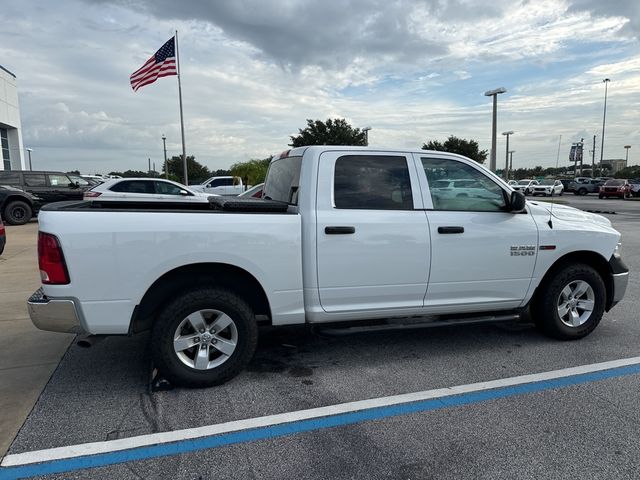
629	9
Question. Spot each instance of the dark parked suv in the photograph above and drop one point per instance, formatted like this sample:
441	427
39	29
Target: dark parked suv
46	187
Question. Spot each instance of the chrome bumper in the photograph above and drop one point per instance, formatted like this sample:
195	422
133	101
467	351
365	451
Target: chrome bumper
54	315
620	281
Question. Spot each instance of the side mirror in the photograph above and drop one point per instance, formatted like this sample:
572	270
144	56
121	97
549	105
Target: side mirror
184	193
517	202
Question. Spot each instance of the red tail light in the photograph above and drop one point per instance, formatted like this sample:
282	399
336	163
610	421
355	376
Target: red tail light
53	269
92	194
2	233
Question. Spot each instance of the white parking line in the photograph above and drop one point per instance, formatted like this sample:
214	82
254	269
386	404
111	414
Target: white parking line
110	446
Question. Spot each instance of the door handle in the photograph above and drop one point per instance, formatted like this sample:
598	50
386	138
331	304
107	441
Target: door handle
445	230
339	230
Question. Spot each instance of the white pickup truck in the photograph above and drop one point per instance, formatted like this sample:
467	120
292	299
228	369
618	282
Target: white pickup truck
220	186
342	234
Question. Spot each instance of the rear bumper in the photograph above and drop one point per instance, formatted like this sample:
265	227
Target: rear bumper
54	314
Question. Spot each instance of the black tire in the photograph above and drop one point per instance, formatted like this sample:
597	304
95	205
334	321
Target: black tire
546	305
17	212
600	197
582	191
561	192
166	358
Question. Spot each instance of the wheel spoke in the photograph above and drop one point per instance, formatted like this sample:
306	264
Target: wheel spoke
224	346
580	289
563	310
201	361
187	341
197	322
586	305
575	318
222	322
566	291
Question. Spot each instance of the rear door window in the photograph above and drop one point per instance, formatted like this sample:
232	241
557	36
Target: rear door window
34	180
134	186
372	182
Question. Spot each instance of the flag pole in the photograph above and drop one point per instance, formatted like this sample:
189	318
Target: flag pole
184	152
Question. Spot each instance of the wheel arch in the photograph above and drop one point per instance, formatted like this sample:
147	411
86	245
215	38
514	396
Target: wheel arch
587	257
187	277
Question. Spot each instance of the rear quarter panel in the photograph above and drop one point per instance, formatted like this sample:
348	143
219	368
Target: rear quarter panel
114	257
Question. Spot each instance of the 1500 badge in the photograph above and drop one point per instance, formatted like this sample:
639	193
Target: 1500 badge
522	250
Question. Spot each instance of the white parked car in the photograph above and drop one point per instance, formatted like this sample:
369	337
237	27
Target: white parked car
458	188
221	186
144	190
525	186
512	183
549	188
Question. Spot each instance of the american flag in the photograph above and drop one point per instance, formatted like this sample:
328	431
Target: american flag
162	64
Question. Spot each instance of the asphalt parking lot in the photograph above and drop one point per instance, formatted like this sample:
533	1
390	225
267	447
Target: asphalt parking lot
588	429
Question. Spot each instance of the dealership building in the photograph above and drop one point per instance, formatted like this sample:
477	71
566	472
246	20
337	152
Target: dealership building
10	130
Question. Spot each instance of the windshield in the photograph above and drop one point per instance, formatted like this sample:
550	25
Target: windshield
548	182
614	182
524	182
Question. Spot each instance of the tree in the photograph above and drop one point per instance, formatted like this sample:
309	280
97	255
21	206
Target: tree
461	146
332	132
74	172
197	171
251	172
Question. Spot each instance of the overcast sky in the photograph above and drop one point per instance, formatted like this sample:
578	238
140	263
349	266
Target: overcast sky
253	71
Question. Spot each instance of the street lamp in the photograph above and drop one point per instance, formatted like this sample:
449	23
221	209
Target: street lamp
626	160
164	144
365	130
494	94
511	152
30	150
506	168
604	117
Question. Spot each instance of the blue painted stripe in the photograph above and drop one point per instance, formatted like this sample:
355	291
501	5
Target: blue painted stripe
215	441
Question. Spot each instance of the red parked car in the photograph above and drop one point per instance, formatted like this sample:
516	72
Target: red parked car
3	236
615	187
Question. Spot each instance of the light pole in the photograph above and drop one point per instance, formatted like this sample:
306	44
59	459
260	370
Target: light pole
365	130
604	117
626	160
164	145
511	152
29	150
506	167
494	127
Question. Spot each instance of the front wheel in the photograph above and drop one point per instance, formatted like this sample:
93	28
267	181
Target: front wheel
204	337
571	304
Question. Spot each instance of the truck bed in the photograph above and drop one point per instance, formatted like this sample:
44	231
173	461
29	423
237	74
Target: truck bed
215	205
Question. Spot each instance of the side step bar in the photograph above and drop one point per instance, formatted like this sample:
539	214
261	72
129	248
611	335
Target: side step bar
411	323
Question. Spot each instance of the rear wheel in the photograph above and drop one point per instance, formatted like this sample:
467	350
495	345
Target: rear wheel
582	191
204	338
18	212
571	304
